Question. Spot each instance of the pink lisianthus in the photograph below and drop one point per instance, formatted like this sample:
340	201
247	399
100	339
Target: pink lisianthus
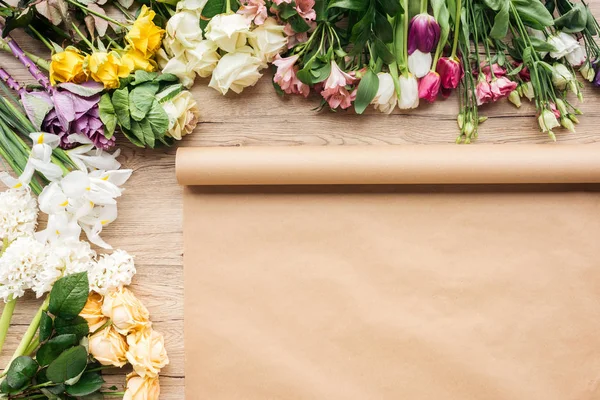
502	87
451	72
305	9
254	10
429	86
334	90
495	68
483	91
286	76
554	110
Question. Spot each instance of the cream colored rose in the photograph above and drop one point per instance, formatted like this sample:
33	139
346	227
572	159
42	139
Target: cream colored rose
203	58
268	39
184	27
139	388
183	114
181	69
236	71
147	354
192	5
108	347
228	31
92	312
126	312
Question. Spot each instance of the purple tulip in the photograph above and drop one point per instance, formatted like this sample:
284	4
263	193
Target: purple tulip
423	33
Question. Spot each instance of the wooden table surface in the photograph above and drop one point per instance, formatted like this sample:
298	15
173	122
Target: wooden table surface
150	212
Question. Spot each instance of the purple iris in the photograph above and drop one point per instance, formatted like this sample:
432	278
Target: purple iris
423	34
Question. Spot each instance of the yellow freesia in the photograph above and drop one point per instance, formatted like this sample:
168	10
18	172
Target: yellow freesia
107	68
67	66
135	60
144	36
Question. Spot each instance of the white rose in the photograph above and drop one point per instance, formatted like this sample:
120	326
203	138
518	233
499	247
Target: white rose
183	114
228	31
180	67
268	39
236	71
386	99
192	5
203	58
184	27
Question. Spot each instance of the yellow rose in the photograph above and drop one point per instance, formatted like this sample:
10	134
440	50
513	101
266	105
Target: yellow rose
144	36
134	60
92	312
107	68
108	347
127	313
147	354
139	388
67	66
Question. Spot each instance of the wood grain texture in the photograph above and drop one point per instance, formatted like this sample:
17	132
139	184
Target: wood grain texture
150	211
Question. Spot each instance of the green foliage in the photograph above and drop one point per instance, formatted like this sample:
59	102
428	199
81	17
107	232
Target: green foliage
69	295
50	350
77	326
68	365
367	89
20	372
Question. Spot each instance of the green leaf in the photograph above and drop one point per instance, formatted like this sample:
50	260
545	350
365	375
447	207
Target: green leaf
77	326
574	20
533	13
212	8
320	73
287	10
68	365
149	137
361	31
298	24
69	295
17	20
54	347
132	138
107	115
441	14
381	51
169	92
20	372
390	7
37	105
383	29
141	98
138	133
83	91
88	383
158	119
45	326
501	22
494	4
354	5
167	78
320	9
305	75
367	90
142	76
591	22
4	388
120	100
541	45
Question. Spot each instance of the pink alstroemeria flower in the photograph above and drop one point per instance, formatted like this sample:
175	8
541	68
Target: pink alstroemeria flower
305	9
286	76
254	10
334	90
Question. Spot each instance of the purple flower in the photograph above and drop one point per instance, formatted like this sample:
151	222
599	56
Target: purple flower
596	81
423	33
76	112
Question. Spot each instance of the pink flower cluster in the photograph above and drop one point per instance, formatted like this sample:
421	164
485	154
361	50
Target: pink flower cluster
306	10
286	76
335	91
254	10
493	84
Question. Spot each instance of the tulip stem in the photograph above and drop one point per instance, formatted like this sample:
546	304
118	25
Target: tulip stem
41	37
7	314
227	6
456	28
423	6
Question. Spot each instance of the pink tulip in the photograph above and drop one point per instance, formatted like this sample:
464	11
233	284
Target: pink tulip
429	86
451	72
423	33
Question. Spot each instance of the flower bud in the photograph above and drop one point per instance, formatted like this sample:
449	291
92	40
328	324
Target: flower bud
451	72
528	91
561	76
573	118
423	33
460	120
429	86
469	129
547	121
587	71
514	98
481	120
561	107
567	124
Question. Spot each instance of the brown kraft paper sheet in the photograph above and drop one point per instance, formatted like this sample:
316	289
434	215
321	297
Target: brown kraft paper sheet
378	290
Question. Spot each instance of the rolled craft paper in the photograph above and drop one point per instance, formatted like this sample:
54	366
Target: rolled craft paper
333	165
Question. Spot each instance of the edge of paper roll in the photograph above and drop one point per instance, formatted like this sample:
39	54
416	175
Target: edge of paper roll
409	164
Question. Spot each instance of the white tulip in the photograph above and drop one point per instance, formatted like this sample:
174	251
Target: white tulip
236	71
386	98
268	39
228	31
419	63
409	92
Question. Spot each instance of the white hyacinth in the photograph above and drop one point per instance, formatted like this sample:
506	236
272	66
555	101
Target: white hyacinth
111	271
18	214
20	265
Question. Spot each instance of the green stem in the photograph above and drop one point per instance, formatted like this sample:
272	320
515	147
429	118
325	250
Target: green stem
97	14
41	37
113	393
82	36
32	346
456	28
5	319
227	6
405	44
423	6
42	385
100	368
394	72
